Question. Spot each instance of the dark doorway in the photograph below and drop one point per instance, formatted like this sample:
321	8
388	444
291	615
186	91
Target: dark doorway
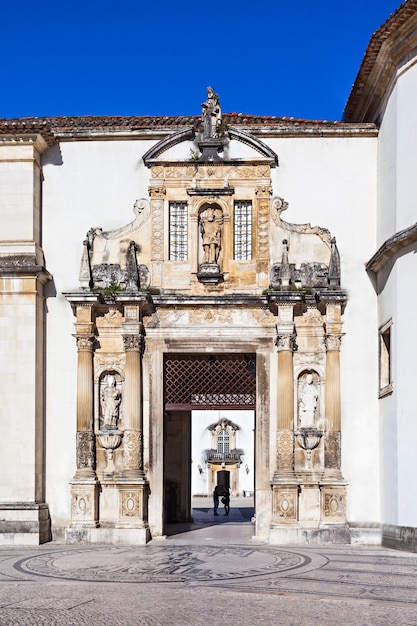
191	382
223	479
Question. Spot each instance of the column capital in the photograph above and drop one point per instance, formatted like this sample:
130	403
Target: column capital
158	191
286	342
133	343
333	342
85	343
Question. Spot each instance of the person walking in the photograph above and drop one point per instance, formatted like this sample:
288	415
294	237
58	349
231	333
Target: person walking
216	499
226	501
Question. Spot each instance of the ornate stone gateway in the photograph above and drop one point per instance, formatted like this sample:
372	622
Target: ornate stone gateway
211	291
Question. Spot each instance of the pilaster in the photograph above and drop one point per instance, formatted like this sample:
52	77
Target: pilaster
286	345
84	486
332	340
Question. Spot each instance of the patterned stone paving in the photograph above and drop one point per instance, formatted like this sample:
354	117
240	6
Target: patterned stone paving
212	572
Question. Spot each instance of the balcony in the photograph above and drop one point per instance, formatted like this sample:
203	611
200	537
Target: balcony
212	456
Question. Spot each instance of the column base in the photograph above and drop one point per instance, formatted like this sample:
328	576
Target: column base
300	535
24	524
108	536
84	504
309	511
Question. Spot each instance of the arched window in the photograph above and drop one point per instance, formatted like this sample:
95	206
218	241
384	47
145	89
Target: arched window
223	441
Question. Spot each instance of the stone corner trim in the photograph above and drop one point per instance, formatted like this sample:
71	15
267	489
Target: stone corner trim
390	247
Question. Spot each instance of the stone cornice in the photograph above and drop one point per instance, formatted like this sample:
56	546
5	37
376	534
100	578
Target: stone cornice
232	300
160	128
390	247
34	132
22	266
391	46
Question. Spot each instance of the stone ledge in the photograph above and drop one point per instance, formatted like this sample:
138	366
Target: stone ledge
108	536
24	523
325	535
399	537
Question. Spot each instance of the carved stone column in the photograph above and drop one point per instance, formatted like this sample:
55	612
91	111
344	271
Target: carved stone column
84	493
332	443
285	489
286	345
332	339
132	440
85	408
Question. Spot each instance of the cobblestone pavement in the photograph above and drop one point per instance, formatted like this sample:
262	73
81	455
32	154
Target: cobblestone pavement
213	574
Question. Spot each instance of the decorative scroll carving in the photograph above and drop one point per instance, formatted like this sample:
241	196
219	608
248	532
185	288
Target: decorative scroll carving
285	505
108	361
334	505
130	503
312	317
332	450
286	342
81	505
111	319
132	450
285	450
141	210
333	342
279	205
85	449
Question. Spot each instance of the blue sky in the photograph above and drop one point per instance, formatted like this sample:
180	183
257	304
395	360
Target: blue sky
267	57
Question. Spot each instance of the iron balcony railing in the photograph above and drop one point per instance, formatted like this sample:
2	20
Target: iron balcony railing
223	457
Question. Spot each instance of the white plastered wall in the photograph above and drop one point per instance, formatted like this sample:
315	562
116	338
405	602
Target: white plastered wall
397	300
331	182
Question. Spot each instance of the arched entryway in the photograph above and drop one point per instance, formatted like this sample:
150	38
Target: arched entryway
209	382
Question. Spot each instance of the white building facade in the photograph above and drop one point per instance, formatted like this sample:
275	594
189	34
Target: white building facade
157	270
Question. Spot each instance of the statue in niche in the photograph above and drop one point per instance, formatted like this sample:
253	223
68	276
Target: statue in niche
110	398
210	228
307	402
211	115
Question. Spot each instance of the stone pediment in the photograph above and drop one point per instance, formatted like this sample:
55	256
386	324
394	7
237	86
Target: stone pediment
210	139
235	146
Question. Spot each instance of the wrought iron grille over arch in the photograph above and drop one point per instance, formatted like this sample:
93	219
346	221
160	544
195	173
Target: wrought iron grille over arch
214	381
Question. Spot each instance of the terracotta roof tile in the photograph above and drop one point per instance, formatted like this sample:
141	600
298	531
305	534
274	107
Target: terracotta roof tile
28	126
406	10
56	127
